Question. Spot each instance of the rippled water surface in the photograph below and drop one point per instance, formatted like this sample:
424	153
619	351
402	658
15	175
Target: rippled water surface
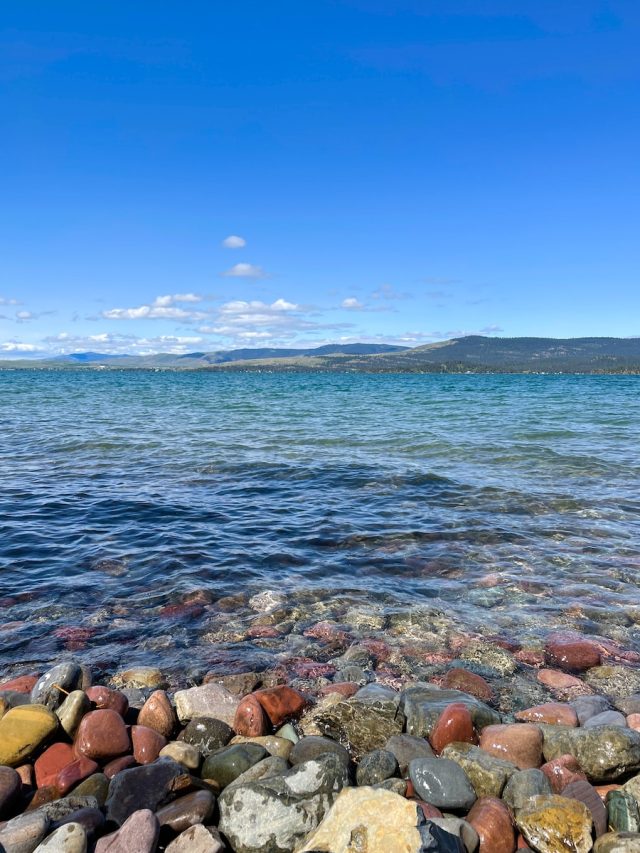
195	520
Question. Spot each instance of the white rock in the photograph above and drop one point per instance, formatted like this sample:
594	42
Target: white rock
208	700
70	838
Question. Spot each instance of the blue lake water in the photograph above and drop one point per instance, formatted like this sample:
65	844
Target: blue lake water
199	520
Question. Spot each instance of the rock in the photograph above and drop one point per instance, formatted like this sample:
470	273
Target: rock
278	812
158	714
147	744
606	718
521	744
490	657
488	775
562	684
51	688
138	833
366	819
117	765
239	683
271	766
23	730
106	697
102	735
553	713
468	682
12	699
197	839
43	796
627	704
460	829
571	654
375	767
442	783
406	748
187	811
287	732
587	794
51	762
70	838
313	746
61	809
553	824
250	719
588	706
454	725
278	746
96	786
280	704
145	787
633	721
523	785
618	842
615	681
211	701
424	703
206	735
604	753
73	773
491	819
396	786
10	787
72	710
623	814
24	833
562	771
437	840
139	677
90	819
183	753
226	764
21	684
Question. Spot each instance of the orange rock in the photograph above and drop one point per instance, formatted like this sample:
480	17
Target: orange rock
250	720
105	697
561	681
43	796
344	688
571	654
21	684
158	714
603	790
280	703
468	682
51	762
74	773
562	771
102	735
147	744
554	713
491	819
633	721
520	743
454	724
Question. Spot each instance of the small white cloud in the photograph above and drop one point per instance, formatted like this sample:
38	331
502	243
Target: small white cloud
234	242
17	346
245	271
162	308
24	315
352	304
6	301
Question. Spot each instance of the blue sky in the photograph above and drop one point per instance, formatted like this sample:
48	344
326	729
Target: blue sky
398	171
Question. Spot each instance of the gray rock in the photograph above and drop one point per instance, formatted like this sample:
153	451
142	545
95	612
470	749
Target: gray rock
407	747
206	734
310	747
461	829
423	704
605	753
376	766
68	676
606	718
197	839
523	785
70	838
137	696
353	673
629	704
437	840
59	809
90	819
618	842
588	796
487	774
12	698
588	706
275	814
140	788
225	765
138	834
396	786
442	783
271	766
24	833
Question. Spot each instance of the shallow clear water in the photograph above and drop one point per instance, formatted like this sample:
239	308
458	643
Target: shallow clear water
141	512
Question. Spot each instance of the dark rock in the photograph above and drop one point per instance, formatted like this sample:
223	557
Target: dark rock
68	676
187	811
588	706
407	747
587	794
226	764
442	783
437	840
523	785
145	787
623	814
312	746
206	734
10	786
376	766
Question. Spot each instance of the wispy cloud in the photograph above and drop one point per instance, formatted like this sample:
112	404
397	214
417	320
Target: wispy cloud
17	346
245	271
117	344
388	292
352	304
4	300
162	308
234	242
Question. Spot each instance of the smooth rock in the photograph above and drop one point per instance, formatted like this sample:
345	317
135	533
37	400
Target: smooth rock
96	786
423	704
562	683
22	834
367	819
226	764
52	687
460	829
250	719
139	677
628	704
588	706
186	811
183	753
271	766
281	703
437	840
618	842
442	782
454	725
469	683
375	767
521	744
238	683
90	819
21	684
73	773
623	814
206	735
147	744
145	787
10	787
406	748
606	718
23	730
604	753
105	697
562	771
51	762
312	746
587	794
197	839
572	654
70	838
488	775
210	701
491	819
117	765
552	713
158	714
102	735
138	834
72	710
524	785
279	746
553	824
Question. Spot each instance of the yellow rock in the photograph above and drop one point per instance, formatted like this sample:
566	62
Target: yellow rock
278	746
367	820
553	824
22	730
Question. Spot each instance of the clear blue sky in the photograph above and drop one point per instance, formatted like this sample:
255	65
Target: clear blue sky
397	170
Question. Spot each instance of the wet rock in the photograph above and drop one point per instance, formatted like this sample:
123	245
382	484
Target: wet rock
469	683
369	820
375	767
491	819
138	833
70	838
313	746
158	714
96	786
487	774
42	796
117	765
21	684
271	766
604	753
51	762
521	744
250	719
437	840
102	735
52	687
489	656
587	794
280	704
105	697
523	785
562	684
226	764
274	745
197	839
147	744
618	842
183	753
552	713
139	677
615	681
606	718
211	701
571	654
187	811
553	824
562	771
623	814
442	782
424	703
407	747
206	735
10	786
145	787
73	773
23	730
459	828
72	710
454	725
277	813
239	683
23	834
588	706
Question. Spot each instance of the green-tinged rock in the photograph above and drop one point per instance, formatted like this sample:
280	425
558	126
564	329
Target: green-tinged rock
488	775
96	786
313	746
288	732
613	680
278	746
553	824
23	730
522	786
623	814
396	786
139	677
52	687
226	764
72	710
268	767
618	842
605	753
423	704
489	656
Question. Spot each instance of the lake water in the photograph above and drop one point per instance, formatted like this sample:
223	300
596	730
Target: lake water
202	521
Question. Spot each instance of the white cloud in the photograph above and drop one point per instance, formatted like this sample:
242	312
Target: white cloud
234	242
162	308
24	315
117	344
17	346
6	301
352	304
245	271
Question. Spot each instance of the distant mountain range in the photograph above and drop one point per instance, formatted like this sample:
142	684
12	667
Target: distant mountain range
471	354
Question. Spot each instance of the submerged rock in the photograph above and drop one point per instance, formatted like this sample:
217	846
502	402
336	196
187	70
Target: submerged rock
424	703
605	753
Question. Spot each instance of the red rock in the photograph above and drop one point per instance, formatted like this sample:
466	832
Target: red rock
532	657
43	796
344	688
102	735
313	669
554	713
468	682
378	648
21	684
587	794
74	773
106	698
561	771
158	714
427	809
327	631
147	744
114	767
51	762
571	654
633	721
561	681
280	703
491	819
250	719
454	724
520	743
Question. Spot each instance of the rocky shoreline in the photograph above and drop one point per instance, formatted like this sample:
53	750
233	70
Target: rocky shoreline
344	760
